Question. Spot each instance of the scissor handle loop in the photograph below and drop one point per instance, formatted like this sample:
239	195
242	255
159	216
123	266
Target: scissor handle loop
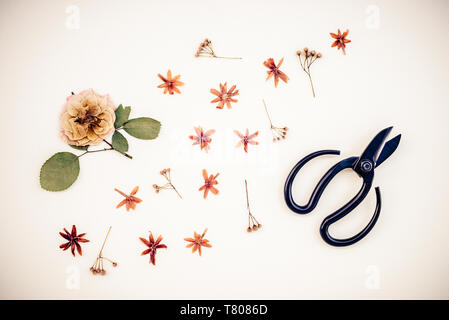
343	211
316	194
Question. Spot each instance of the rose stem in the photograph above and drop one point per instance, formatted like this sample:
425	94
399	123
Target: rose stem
105	149
94	151
112	148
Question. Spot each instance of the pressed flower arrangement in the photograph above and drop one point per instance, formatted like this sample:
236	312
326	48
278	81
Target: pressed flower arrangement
87	120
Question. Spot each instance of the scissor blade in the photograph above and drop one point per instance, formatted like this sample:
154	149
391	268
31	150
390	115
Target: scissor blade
388	149
373	147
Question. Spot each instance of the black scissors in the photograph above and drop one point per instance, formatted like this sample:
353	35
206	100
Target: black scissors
364	166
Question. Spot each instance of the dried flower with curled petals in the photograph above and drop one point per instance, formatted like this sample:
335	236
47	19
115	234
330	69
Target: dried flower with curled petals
87	118
209	182
340	40
275	72
224	96
170	84
152	247
130	200
197	242
73	240
202	138
246	139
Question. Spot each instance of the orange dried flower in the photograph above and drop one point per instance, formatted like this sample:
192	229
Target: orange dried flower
202	138
246	139
274	71
340	40
170	84
197	242
209	182
130	200
224	96
73	240
152	247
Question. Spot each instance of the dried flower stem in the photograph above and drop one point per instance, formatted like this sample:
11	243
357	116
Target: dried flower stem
253	224
98	266
166	173
205	50
309	58
105	149
277	132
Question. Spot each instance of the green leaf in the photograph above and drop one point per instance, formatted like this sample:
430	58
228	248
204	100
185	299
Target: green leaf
143	128
121	116
119	142
79	147
60	171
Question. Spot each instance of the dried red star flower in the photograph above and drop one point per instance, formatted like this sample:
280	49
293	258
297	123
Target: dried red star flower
73	240
130	200
152	247
246	139
202	138
197	242
170	84
340	40
274	71
224	96
209	182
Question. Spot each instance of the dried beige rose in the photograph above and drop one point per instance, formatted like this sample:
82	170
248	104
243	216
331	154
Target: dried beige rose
87	118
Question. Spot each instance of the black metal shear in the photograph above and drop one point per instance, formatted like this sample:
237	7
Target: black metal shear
364	166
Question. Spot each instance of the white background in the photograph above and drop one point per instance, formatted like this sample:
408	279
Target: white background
395	73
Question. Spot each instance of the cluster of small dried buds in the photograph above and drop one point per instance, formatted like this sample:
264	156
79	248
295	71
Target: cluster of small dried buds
98	266
278	133
169	185
205	50
253	224
306	58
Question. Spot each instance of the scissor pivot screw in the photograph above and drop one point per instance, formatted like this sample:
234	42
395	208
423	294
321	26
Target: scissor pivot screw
366	166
